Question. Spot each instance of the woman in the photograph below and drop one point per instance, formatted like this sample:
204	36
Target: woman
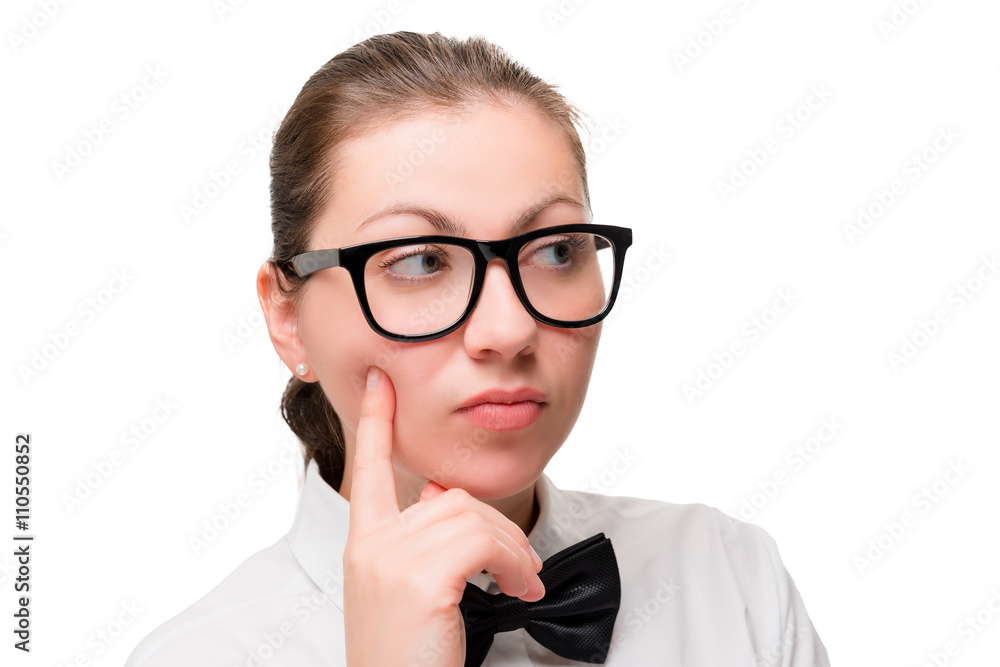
434	379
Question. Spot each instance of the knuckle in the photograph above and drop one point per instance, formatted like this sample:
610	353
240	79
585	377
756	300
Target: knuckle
475	522
457	495
430	590
363	465
481	541
515	532
407	515
521	552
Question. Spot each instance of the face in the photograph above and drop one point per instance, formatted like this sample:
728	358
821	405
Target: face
481	169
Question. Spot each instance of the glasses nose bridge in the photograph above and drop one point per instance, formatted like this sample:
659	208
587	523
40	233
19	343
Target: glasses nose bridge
498	249
491	250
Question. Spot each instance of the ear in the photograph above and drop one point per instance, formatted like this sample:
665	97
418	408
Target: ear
282	322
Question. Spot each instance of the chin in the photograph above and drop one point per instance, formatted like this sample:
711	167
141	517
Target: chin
492	477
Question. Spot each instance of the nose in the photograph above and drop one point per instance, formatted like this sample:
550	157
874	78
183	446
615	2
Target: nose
499	326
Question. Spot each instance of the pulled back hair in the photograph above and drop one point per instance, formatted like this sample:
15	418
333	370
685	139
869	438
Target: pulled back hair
384	79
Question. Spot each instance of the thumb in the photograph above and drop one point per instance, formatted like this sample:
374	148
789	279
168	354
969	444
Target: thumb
431	490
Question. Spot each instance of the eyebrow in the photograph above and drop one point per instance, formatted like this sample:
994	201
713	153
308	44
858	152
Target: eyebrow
445	224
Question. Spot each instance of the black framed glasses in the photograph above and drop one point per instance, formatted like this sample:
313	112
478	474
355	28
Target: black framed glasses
418	288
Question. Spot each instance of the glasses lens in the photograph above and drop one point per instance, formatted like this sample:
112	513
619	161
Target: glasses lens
568	276
419	289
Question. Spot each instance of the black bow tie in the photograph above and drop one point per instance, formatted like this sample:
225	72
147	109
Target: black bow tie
575	618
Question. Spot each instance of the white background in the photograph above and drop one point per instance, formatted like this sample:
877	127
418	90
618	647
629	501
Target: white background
186	327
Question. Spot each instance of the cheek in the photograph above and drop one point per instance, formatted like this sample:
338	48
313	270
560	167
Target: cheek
339	344
573	352
570	362
419	374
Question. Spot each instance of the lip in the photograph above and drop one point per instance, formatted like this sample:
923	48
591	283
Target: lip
504	410
504	396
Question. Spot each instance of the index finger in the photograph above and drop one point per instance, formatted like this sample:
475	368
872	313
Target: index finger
373	483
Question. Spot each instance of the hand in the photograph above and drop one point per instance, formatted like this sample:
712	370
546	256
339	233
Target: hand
405	572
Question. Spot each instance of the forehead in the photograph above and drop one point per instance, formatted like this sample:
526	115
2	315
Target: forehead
482	171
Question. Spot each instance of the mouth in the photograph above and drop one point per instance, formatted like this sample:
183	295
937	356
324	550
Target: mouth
503	410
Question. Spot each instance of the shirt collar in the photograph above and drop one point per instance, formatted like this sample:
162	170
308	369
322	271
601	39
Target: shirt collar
319	532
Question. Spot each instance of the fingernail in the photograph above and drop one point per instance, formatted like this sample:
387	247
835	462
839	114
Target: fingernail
535	558
373	378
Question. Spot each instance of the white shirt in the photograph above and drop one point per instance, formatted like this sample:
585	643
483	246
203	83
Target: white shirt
698	588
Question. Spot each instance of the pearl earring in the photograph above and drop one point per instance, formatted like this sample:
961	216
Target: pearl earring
301	369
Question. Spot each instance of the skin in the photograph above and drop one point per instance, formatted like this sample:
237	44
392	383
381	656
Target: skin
491	164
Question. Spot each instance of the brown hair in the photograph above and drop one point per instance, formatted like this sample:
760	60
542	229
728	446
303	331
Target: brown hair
383	79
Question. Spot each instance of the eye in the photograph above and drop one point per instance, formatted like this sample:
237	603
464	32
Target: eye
557	253
554	251
418	265
416	262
